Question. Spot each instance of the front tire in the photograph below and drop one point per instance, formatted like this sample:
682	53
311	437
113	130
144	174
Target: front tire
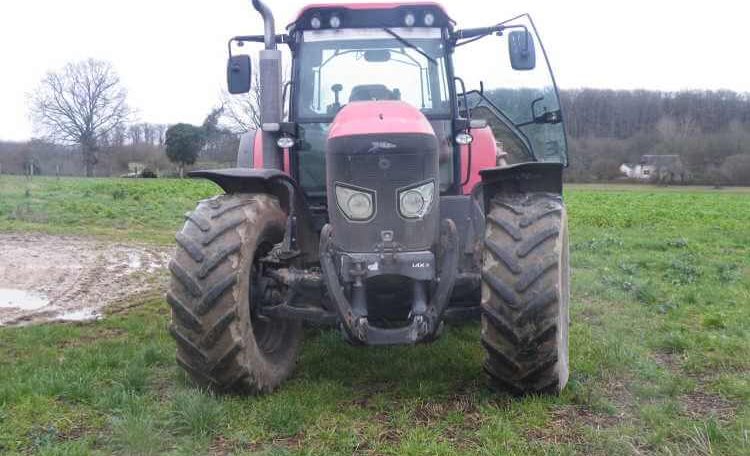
526	293
220	340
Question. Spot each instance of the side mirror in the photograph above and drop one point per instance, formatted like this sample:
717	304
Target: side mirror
238	74
521	50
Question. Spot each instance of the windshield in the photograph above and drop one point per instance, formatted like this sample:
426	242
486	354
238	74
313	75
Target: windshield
337	67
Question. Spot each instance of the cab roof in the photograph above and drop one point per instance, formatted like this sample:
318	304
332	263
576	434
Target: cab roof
386	14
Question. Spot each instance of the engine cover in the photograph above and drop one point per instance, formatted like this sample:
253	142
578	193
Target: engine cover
383	147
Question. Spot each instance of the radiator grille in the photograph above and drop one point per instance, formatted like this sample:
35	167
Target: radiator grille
395	168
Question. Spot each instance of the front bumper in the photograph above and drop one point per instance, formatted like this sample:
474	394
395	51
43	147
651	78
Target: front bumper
426	312
414	265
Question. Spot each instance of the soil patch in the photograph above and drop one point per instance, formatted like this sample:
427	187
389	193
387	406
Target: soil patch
48	278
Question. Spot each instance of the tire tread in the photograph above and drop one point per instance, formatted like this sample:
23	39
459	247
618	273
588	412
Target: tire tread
522	293
207	325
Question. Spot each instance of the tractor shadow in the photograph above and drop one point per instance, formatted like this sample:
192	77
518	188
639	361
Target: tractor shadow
388	389
450	365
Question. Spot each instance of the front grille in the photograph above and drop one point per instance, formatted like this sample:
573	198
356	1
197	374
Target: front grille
399	169
353	160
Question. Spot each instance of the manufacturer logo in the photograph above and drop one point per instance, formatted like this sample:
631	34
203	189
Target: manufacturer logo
380	145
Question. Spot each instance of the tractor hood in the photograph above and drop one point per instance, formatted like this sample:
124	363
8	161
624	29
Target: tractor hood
368	117
376	152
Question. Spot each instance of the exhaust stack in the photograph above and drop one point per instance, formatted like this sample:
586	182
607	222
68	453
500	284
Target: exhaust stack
269	27
270	89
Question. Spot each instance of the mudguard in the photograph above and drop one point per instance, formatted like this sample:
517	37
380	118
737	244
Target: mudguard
301	237
252	180
521	178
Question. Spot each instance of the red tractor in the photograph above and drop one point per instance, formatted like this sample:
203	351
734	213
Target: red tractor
382	203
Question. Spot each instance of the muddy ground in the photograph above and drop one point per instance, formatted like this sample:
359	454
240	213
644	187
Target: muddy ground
45	278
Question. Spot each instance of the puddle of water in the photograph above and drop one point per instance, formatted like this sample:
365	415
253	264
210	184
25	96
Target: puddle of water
134	261
79	315
11	298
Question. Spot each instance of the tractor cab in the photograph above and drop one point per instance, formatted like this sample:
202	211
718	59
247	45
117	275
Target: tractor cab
415	54
337	67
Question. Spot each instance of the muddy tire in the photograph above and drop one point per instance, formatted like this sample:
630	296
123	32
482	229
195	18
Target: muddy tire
220	341
525	293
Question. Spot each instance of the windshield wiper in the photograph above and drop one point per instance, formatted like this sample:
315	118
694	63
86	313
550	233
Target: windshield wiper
410	45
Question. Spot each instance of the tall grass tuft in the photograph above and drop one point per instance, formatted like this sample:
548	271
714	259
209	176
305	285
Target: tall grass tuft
196	412
137	431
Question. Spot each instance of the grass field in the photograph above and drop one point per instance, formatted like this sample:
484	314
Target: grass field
660	348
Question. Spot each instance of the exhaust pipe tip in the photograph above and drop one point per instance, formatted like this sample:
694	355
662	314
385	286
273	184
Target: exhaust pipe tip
269	25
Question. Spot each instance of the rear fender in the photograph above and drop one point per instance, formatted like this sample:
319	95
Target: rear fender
249	142
480	154
521	178
301	237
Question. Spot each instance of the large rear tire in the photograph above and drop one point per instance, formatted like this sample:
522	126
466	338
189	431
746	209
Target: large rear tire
213	294
525	293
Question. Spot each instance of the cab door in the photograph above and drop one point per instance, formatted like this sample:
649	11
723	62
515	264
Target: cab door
518	98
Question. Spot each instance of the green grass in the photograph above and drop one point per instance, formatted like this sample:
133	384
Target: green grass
660	349
148	210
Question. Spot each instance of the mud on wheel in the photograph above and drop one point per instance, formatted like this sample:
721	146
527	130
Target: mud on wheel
525	293
214	294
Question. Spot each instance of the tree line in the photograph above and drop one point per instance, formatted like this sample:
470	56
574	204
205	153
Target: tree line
143	144
81	111
623	114
708	130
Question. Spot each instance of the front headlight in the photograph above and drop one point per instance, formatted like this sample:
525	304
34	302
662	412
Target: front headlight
356	203
415	202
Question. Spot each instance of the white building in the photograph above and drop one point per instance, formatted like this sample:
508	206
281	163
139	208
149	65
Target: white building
662	168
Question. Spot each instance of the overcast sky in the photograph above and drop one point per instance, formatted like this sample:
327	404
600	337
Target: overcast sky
170	54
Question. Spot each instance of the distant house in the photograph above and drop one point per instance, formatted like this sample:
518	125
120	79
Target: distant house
657	168
137	169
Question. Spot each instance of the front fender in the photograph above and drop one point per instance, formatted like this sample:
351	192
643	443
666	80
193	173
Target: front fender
279	184
527	177
253	180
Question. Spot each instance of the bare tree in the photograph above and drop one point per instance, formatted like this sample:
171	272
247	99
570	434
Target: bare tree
117	136
135	132
148	133
241	112
160	131
80	104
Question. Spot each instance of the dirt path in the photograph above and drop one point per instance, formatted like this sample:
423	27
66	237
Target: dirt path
44	278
